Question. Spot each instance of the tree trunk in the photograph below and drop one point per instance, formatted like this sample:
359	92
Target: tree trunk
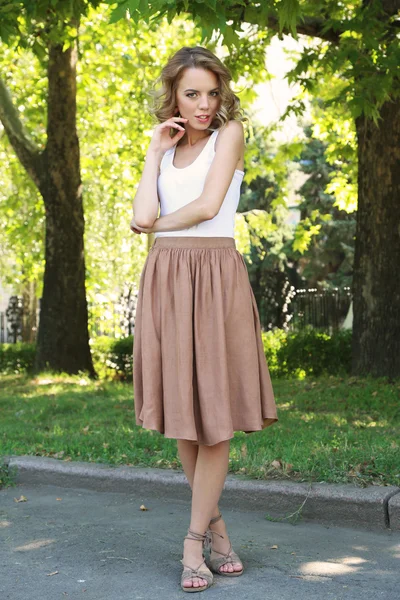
29	302
63	338
376	282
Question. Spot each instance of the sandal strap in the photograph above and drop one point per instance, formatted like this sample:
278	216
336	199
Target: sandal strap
226	555
193	571
199	537
209	532
189	573
229	558
209	538
218	562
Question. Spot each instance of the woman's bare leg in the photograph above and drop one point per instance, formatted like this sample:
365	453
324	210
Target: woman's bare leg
207	483
210	464
188	456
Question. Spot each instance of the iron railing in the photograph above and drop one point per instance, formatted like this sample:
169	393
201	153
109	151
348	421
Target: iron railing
321	309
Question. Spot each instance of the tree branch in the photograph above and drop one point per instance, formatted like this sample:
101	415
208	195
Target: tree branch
309	26
25	148
314	26
391	7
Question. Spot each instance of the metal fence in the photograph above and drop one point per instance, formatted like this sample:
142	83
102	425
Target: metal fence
322	309
5	336
113	319
11	321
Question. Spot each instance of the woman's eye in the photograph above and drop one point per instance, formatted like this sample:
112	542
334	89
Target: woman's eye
191	94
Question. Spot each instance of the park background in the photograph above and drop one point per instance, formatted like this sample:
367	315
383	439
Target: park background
317	225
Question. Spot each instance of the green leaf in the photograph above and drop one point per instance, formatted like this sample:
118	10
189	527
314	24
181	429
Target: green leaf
119	12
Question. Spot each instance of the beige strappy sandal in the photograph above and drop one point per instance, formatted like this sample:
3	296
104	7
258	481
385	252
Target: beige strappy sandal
189	573
214	564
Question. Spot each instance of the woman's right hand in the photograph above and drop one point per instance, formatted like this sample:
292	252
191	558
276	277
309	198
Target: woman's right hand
161	140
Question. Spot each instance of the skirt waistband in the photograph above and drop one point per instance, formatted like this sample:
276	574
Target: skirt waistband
193	242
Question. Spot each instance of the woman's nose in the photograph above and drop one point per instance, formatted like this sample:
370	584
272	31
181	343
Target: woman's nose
203	103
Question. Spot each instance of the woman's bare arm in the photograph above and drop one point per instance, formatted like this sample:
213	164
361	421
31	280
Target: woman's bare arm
191	214
219	177
218	180
145	203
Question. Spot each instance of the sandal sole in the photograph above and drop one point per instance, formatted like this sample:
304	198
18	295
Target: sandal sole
224	574
198	589
227	574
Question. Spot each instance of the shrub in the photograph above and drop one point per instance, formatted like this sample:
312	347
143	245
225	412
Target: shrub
272	342
306	352
112	358
17	358
309	351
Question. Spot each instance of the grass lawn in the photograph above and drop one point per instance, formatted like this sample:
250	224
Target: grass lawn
330	429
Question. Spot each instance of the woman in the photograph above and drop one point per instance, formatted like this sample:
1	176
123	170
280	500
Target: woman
199	366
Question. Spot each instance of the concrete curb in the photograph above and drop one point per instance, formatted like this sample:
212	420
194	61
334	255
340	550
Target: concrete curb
371	508
394	512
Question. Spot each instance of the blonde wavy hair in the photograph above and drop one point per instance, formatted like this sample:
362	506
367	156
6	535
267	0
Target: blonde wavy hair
164	96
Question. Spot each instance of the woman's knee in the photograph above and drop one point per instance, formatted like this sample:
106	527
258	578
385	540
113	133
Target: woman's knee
225	444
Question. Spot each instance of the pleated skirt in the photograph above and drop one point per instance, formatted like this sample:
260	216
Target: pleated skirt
199	368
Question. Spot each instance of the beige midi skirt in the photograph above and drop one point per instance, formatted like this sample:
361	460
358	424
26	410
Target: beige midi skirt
199	368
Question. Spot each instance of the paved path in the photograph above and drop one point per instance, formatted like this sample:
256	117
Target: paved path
76	543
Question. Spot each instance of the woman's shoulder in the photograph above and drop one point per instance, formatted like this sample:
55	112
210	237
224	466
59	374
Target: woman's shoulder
234	127
232	133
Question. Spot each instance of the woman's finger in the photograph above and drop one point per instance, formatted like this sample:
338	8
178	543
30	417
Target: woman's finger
177	135
171	124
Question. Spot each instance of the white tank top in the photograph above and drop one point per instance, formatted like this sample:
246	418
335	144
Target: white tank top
177	187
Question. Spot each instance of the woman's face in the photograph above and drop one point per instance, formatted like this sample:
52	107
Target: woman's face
198	94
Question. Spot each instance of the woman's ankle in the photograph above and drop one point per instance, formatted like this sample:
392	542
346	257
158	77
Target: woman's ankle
215	518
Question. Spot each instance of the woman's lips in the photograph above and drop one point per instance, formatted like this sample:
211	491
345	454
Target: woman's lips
203	120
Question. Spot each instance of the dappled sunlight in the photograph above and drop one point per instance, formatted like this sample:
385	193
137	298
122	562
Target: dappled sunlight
343	566
234	452
353	560
364	423
285	405
316	437
45	379
42	381
321	415
4	523
338	420
57	430
308	417
35	545
64	387
396	550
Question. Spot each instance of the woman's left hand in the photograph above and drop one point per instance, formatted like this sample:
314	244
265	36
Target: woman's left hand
136	229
